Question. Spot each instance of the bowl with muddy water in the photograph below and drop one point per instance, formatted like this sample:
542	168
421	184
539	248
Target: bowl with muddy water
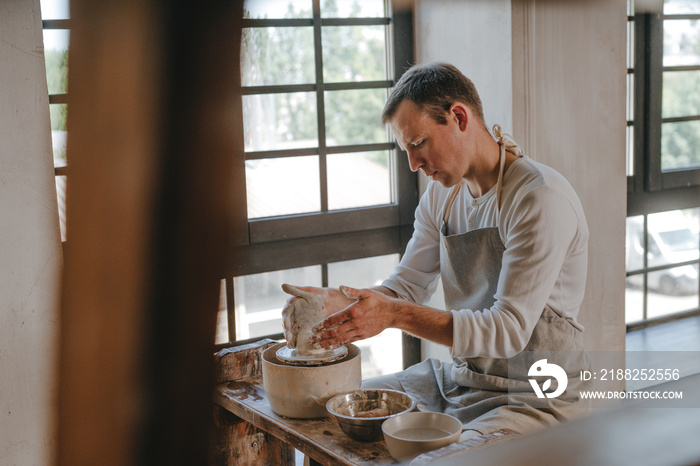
360	413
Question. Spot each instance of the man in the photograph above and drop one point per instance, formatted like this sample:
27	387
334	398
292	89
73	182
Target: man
508	237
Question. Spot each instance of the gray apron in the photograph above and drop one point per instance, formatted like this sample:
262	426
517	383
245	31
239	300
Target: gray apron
489	394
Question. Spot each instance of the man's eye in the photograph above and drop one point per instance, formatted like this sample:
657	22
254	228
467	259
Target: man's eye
418	145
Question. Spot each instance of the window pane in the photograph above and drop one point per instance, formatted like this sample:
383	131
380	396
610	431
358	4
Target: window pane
354	117
277	55
634	243
280	121
354	53
59	135
284	186
679	7
381	354
54	9
221	334
61	199
630	150
56	55
259	299
276	9
681	37
680	95
672	237
630	96
352	8
634	299
680	145
359	179
630	44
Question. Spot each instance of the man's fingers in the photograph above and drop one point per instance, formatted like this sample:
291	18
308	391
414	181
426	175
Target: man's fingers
296	291
333	320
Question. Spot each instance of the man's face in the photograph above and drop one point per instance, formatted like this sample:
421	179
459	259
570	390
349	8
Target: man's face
438	150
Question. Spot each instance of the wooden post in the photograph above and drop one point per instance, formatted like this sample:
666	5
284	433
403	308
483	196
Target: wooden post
153	135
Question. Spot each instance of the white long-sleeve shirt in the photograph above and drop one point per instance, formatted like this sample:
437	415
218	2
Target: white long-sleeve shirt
544	230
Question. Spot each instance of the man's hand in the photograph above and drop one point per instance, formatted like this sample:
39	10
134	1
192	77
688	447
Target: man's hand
307	306
372	313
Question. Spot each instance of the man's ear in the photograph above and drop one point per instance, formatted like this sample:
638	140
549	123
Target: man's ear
461	114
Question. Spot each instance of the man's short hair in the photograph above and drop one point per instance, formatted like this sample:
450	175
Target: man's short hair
434	88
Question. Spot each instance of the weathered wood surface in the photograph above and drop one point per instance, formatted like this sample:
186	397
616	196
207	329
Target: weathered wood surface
237	442
459	449
319	439
240	362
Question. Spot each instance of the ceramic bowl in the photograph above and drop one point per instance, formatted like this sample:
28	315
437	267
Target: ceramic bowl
301	392
361	413
410	434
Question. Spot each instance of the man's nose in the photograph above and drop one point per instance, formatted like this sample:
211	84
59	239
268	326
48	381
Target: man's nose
414	162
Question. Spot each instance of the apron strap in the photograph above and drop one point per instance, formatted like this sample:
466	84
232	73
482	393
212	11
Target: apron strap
505	143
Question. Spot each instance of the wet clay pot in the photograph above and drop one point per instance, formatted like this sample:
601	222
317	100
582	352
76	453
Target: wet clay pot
301	392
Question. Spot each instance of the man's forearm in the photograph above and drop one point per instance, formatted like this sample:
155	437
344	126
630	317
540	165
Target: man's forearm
421	321
425	322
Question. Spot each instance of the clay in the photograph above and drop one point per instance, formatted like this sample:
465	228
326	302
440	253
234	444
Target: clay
308	310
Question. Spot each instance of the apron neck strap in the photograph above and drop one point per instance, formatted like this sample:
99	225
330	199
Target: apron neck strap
505	143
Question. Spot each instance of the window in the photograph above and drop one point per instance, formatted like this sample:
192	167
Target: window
328	199
663	167
56	25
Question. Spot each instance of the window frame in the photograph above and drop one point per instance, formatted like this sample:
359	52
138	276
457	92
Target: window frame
649	190
319	238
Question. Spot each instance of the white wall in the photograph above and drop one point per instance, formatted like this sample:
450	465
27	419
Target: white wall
30	248
475	36
569	62
551	72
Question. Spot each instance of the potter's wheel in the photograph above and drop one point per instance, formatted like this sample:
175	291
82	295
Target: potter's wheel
292	356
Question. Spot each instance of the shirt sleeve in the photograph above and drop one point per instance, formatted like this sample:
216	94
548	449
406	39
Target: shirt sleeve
540	230
416	277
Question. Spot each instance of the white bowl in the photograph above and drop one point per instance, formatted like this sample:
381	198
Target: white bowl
410	434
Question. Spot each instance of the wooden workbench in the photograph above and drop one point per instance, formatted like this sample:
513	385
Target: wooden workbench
319	439
249	432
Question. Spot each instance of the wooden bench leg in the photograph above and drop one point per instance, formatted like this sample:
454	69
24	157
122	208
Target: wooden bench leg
237	442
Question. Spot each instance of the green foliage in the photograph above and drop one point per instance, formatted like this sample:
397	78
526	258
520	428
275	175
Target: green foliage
57	71
285	55
680	141
57	82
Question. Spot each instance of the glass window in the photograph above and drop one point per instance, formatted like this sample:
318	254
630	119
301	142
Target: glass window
54	9
56	33
381	355
359	179
354	117
282	186
680	145
354	53
321	173
664	280
352	9
681	37
277	9
280	121
277	55
259	299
